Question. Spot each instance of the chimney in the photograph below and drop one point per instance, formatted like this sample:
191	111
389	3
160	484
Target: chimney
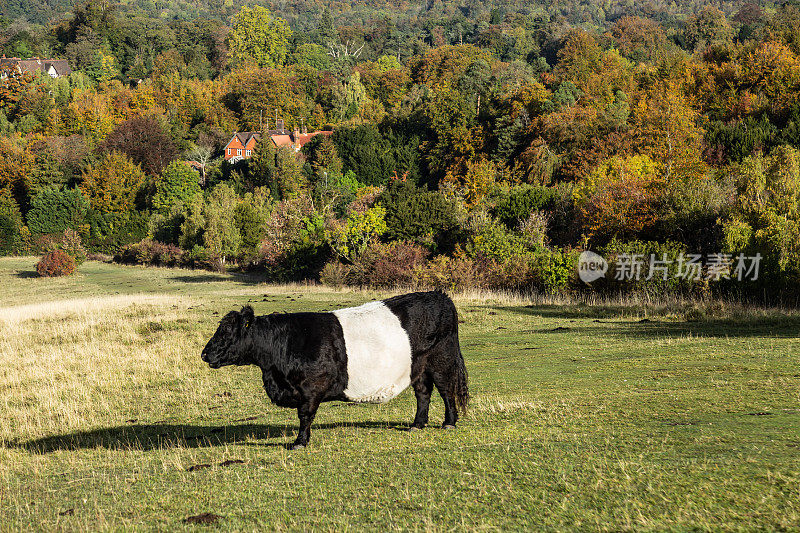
303	121
296	132
279	125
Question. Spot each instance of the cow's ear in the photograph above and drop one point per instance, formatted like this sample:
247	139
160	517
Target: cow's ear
247	316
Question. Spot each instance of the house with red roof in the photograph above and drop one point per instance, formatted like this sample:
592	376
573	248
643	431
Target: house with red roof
242	145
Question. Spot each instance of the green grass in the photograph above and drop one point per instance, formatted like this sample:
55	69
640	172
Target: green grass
583	417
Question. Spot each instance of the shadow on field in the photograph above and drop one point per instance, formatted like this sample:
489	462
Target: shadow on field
27	274
156	436
238	277
782	326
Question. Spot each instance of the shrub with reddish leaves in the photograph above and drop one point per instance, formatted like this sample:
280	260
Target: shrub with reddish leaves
150	252
54	264
389	265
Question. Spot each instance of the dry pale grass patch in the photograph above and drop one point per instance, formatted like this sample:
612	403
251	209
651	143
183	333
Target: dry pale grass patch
78	364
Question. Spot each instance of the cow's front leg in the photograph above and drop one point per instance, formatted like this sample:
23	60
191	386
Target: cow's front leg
306	413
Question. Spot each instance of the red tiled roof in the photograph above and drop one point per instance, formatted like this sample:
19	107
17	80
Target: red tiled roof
282	140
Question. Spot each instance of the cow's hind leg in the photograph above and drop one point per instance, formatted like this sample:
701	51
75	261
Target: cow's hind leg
444	371
423	386
445	388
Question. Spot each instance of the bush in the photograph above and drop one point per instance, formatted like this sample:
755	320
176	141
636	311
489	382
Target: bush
522	201
336	274
494	241
108	232
54	264
149	252
556	269
389	265
53	210
71	244
443	272
418	215
620	257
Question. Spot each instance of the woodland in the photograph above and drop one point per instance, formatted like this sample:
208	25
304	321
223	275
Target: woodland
474	145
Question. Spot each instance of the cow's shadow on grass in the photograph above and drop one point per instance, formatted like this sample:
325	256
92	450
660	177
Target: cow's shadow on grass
159	436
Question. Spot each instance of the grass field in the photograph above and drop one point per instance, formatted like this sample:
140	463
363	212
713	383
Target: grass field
583	417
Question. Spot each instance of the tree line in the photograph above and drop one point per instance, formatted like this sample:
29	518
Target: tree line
486	152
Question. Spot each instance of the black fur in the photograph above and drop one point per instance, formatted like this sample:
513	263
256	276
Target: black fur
303	359
431	322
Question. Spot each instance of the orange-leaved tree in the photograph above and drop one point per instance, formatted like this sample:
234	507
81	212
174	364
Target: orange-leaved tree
618	199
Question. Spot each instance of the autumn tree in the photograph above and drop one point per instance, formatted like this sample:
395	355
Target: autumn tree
13	85
15	169
257	95
145	141
451	117
707	27
639	39
619	199
666	127
111	185
259	37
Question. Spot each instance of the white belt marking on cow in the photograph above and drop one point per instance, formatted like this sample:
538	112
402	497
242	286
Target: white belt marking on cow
378	353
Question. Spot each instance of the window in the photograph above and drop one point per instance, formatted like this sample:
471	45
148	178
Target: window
238	151
247	153
230	151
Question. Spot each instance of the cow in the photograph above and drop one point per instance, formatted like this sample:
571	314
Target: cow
369	353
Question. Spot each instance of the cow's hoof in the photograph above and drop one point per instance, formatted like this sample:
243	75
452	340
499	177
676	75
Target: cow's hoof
448	426
298	446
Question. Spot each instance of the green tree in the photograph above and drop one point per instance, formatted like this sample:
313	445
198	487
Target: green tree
349	239
176	187
327	28
418	215
708	27
766	217
251	222
313	55
10	222
103	67
363	150
53	210
278	169
259	37
221	236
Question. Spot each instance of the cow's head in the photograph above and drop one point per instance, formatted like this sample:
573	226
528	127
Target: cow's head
224	348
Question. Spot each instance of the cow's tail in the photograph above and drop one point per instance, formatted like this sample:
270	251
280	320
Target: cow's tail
461	382
462	389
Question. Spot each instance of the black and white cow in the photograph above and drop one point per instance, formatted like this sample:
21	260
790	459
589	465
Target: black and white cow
369	353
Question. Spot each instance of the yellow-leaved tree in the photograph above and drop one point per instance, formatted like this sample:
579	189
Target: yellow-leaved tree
259	37
111	184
